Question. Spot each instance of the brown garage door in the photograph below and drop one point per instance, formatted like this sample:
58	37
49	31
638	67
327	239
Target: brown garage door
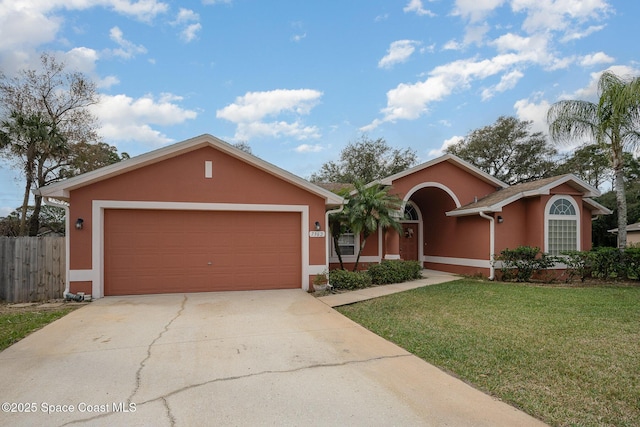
162	251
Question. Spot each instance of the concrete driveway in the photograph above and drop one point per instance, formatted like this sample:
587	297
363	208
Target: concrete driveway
230	358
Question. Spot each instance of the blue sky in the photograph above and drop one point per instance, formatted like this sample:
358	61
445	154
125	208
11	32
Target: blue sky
298	80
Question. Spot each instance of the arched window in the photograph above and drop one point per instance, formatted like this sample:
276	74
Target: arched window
410	213
562	221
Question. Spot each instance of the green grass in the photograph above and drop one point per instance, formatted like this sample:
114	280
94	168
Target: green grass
15	326
568	356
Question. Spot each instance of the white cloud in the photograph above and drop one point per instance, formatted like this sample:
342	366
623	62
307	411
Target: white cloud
298	37
190	20
476	10
247	131
190	33
475	34
399	51
126	119
249	112
26	25
417	7
185	16
108	82
452	45
410	101
81	59
507	81
558	15
596	59
381	18
306	148
127	49
577	34
534	110
445	144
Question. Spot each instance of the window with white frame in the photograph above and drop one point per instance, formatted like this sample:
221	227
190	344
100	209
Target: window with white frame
563	225
347	244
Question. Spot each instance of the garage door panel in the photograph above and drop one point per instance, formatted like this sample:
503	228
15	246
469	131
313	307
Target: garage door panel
157	251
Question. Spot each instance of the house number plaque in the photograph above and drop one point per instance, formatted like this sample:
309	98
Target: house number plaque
316	234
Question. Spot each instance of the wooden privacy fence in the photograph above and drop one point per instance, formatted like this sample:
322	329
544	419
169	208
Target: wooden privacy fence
32	268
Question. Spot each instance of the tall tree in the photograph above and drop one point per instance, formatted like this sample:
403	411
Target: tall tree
508	150
366	160
372	207
44	112
590	162
32	140
614	121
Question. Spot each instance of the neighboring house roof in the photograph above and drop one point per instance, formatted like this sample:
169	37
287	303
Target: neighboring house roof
496	201
60	190
473	170
631	228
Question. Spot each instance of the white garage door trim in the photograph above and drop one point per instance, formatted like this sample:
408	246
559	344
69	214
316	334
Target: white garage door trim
96	274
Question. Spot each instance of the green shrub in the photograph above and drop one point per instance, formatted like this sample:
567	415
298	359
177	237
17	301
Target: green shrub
607	263
394	271
349	280
579	264
632	263
522	263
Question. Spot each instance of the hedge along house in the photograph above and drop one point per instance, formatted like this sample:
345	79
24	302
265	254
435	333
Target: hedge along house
457	217
199	215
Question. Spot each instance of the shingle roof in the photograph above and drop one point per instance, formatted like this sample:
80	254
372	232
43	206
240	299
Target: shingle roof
495	201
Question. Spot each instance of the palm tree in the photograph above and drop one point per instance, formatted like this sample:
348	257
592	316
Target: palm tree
33	141
372	207
614	122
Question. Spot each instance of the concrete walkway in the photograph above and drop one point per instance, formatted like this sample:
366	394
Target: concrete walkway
259	358
430	277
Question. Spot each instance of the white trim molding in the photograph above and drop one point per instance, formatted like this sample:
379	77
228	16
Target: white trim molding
575	217
465	262
431	184
96	273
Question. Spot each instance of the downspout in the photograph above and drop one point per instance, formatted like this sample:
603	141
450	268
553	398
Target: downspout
50	202
492	242
327	239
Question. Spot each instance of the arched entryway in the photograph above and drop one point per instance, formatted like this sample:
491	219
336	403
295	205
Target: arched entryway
426	229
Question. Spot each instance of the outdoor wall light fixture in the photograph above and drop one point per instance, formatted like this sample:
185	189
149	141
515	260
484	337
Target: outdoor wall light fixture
79	223
317	225
500	219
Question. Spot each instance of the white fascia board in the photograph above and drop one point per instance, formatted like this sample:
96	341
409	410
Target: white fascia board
61	189
599	209
447	157
475	211
587	189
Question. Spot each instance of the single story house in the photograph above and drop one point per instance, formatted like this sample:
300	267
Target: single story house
196	216
457	217
633	234
201	215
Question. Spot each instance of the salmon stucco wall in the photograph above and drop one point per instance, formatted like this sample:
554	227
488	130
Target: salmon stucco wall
182	179
463	184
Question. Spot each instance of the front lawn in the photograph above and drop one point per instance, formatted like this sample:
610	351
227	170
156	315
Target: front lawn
569	356
16	324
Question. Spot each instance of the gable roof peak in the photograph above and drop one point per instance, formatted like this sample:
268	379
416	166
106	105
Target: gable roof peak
451	158
60	190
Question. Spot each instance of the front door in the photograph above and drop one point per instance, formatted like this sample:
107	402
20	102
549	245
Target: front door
409	242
